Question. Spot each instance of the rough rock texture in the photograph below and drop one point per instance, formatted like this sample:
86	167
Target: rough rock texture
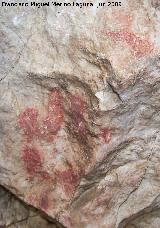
146	220
14	214
79	112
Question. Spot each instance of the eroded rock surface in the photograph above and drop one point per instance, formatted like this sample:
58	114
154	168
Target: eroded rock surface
14	214
79	111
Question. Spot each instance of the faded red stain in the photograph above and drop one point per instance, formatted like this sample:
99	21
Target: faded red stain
69	178
40	199
124	19
79	124
105	135
67	220
52	123
32	199
44	201
32	159
28	122
78	109
77	104
43	175
104	198
140	47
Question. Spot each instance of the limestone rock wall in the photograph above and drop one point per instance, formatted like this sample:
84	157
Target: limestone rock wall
79	111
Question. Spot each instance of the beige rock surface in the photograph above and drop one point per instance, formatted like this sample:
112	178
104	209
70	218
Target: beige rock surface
79	111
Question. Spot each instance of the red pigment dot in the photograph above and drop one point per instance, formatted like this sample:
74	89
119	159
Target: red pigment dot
32	160
105	135
141	47
27	121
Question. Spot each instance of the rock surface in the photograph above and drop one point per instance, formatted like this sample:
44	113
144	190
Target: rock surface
14	214
79	111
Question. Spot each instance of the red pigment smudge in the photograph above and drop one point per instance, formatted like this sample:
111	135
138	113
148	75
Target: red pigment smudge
32	160
52	123
100	201
34	129
44	201
33	163
104	199
141	47
45	176
28	122
105	135
69	178
77	105
78	108
79	124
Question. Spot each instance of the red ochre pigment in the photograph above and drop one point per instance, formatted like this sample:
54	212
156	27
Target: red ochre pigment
105	135
78	108
52	123
69	178
77	105
32	160
28	122
33	163
46	129
141	47
35	130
